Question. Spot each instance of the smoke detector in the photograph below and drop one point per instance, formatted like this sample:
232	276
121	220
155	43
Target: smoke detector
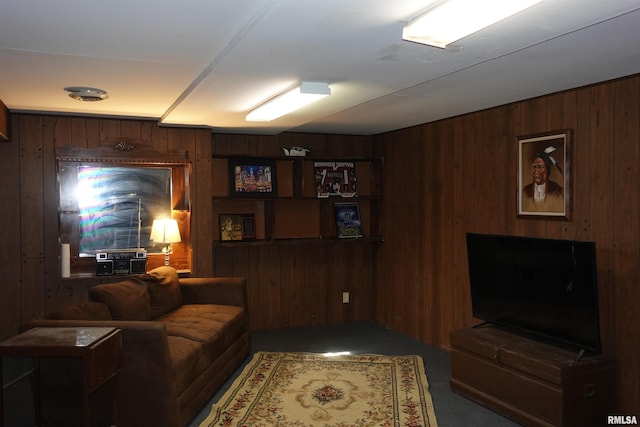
82	93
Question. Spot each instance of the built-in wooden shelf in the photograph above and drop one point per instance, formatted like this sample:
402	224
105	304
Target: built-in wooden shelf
295	214
303	241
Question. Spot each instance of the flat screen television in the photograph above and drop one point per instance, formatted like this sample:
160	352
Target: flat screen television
543	287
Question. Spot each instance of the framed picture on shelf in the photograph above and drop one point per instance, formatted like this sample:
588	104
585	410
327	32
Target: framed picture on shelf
237	227
249	177
335	179
347	215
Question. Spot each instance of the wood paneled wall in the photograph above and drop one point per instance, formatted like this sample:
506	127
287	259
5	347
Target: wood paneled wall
459	175
30	284
301	284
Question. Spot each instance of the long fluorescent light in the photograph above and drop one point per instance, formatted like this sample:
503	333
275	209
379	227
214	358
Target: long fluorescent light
452	20
298	97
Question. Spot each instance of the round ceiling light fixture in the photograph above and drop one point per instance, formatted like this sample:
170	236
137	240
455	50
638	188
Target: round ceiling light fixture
82	93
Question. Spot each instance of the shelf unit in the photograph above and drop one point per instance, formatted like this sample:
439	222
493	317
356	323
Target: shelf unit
295	213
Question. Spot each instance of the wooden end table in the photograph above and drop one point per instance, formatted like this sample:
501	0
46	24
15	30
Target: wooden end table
99	349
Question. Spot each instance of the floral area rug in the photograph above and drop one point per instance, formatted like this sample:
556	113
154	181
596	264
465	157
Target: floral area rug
309	389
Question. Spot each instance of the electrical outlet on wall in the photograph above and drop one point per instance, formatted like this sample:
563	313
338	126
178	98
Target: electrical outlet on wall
345	297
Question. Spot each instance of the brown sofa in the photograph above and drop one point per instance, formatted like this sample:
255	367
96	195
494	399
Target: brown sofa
182	337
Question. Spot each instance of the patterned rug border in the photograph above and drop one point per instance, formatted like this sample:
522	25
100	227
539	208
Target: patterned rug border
214	417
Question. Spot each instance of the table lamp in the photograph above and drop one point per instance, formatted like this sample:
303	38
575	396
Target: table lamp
165	231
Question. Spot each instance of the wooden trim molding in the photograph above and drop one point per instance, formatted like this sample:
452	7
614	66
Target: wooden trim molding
121	150
4	122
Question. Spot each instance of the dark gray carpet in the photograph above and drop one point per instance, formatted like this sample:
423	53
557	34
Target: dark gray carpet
452	410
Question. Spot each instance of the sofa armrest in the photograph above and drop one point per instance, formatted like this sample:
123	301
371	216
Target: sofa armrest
214	290
146	382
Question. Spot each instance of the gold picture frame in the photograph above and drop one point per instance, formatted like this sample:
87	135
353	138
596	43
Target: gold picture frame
237	227
544	168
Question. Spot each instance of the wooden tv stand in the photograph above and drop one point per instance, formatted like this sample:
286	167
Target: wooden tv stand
530	382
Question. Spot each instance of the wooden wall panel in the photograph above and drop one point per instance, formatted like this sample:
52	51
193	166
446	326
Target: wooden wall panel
626	261
10	253
202	205
53	132
32	212
301	284
602	209
396	298
481	171
461	313
325	146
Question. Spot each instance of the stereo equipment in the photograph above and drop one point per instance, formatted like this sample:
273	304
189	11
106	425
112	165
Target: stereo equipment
121	261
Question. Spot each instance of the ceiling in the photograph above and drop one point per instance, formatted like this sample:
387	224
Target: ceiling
208	62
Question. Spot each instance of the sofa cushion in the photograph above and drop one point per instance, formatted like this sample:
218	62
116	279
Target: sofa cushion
214	326
86	311
163	284
126	300
185	354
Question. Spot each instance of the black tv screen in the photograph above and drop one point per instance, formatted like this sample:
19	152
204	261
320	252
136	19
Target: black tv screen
545	287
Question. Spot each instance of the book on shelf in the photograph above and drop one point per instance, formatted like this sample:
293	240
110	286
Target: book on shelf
348	224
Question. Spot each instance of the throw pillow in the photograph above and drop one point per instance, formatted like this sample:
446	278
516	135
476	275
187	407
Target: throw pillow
164	290
126	300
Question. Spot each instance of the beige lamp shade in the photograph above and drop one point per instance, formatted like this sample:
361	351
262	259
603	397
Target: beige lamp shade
165	231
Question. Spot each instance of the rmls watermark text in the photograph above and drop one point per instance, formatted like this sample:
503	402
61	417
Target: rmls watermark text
622	420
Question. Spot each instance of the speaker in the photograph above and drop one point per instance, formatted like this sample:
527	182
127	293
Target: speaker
138	266
104	267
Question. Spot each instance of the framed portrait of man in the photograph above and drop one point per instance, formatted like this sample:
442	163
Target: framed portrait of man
544	174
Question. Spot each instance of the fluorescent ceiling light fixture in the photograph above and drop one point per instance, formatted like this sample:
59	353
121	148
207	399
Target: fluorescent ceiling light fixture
452	20
298	97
